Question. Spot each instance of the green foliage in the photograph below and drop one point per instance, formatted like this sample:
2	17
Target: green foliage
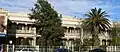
47	22
114	34
115	31
96	19
96	23
87	42
116	41
77	42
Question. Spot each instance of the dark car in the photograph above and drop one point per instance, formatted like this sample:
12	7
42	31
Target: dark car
97	50
61	50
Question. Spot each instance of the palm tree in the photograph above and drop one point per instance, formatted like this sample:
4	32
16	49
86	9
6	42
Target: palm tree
96	23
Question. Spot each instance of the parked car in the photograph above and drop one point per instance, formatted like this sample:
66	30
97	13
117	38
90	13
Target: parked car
26	50
61	50
97	50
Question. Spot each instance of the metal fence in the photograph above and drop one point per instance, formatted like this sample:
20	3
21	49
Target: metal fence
14	48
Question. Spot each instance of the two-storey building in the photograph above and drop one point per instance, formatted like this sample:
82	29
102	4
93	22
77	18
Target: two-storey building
21	29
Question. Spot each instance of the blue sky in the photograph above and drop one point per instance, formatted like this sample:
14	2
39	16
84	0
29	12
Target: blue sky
67	7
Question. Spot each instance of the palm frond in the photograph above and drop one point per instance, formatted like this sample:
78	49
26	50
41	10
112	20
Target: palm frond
96	18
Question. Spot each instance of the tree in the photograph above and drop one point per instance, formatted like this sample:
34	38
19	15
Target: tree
87	42
48	23
96	23
77	44
114	34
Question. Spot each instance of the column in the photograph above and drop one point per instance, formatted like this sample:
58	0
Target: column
75	34
17	26
70	31
67	30
81	35
30	28
27	28
73	44
67	43
100	41
34	29
35	36
22	27
106	43
34	41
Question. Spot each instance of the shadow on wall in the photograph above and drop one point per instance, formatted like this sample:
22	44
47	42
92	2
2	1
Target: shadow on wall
11	32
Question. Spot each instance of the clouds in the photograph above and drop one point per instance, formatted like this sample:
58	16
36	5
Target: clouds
17	5
79	7
66	7
74	8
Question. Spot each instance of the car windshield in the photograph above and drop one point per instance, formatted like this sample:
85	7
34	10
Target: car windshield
30	50
25	50
98	50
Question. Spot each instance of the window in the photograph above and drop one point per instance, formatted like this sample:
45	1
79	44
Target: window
103	42
69	30
28	27
77	30
72	29
108	42
19	27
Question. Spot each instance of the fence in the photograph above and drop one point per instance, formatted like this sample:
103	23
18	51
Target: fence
14	48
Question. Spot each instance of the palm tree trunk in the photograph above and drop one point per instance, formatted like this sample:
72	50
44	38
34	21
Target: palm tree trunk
93	40
95	37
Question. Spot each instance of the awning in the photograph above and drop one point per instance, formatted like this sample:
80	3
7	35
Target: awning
3	35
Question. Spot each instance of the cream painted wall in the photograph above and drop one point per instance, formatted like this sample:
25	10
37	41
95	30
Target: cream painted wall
67	21
19	17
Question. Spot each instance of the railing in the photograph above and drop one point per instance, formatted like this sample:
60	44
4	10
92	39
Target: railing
13	48
25	31
72	34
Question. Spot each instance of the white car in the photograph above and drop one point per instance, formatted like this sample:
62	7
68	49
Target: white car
26	50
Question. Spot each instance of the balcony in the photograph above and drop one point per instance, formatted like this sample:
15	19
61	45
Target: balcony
72	34
25	31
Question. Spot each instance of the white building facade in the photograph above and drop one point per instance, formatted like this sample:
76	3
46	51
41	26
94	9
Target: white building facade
24	28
